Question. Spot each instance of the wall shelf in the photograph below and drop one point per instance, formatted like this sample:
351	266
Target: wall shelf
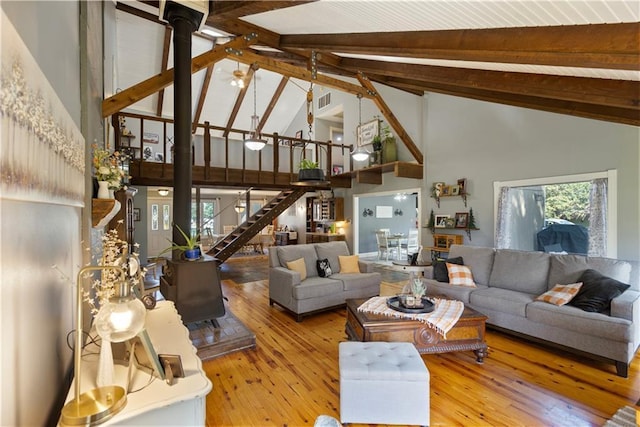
462	196
373	174
102	211
468	230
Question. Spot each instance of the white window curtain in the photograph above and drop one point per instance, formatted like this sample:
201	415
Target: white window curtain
598	218
503	220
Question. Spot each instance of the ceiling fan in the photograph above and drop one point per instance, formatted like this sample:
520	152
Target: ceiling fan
237	77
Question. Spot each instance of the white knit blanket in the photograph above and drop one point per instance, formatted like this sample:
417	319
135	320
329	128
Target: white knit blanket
442	318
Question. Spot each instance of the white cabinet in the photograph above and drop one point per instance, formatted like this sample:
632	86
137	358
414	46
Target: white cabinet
158	403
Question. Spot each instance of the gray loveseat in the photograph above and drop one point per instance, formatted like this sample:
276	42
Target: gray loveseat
509	281
315	293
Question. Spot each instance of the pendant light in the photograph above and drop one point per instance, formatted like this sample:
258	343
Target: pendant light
359	153
254	142
239	207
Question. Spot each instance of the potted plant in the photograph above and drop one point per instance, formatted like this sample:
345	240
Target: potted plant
190	250
308	170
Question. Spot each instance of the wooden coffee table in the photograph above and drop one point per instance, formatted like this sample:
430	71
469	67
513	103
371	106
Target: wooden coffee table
467	334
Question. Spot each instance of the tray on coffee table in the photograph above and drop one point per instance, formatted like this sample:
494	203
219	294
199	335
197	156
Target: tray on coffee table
395	304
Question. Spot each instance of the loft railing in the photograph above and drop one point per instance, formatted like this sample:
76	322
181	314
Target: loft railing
149	139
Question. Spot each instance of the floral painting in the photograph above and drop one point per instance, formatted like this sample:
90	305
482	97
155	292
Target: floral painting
41	149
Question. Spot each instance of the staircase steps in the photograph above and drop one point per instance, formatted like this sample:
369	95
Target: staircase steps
239	237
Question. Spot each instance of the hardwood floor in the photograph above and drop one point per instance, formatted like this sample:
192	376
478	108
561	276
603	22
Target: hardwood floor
292	375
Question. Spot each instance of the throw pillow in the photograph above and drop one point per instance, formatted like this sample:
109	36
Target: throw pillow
440	272
460	275
560	294
298	265
324	269
597	292
349	264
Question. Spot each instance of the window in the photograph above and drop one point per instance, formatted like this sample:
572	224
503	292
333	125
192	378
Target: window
254	207
206	213
574	214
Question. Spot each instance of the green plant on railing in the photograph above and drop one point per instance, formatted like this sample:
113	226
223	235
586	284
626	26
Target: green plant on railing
308	164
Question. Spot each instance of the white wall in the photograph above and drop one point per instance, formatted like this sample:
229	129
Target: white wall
487	142
37	308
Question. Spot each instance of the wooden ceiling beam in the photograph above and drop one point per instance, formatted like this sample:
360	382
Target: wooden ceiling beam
273	102
269	38
125	98
236	106
168	30
203	95
610	46
230	9
606	92
591	111
391	119
301	60
247	57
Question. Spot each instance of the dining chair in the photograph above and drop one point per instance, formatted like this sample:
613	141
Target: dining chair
384	248
411	244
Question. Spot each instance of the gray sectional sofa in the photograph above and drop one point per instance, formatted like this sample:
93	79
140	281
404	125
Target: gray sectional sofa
509	281
315	293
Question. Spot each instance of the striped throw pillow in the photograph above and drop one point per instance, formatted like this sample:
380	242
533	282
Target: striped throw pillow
460	275
560	294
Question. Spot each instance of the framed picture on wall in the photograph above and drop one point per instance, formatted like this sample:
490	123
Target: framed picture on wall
150	138
384	211
136	214
462	184
441	221
368	131
462	219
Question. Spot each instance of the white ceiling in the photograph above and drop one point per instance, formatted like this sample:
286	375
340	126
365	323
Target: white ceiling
140	45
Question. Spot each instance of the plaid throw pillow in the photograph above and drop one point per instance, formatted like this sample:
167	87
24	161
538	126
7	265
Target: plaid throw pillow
560	294
460	275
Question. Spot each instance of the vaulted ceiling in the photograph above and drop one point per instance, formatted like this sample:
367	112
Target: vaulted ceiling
579	58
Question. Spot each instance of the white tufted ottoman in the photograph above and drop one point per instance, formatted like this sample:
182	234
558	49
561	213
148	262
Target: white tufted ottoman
383	383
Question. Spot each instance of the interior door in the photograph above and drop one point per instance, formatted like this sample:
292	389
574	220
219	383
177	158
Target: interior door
160	211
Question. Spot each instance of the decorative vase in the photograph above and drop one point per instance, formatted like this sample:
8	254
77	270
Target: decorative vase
389	150
103	190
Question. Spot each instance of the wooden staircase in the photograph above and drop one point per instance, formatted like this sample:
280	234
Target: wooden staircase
235	240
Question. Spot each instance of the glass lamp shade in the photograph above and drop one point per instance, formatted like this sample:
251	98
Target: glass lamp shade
121	318
254	142
360	154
